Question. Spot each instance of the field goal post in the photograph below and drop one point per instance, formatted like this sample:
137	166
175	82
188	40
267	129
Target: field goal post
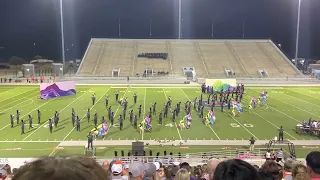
115	72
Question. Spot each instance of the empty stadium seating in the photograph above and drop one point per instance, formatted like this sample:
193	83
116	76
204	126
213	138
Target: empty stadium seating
210	58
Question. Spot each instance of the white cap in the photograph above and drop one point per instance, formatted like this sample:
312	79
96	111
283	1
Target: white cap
157	164
175	163
126	166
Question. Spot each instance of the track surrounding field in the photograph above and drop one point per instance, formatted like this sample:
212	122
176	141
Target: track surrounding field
287	106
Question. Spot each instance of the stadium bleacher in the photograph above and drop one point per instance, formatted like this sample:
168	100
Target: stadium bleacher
209	58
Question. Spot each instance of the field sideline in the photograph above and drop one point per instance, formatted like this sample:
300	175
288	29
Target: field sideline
287	106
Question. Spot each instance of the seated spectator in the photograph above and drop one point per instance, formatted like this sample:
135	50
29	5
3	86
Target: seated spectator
137	170
287	169
186	166
313	165
212	165
59	168
204	169
117	171
300	172
235	169
271	170
161	172
182	174
150	172
268	155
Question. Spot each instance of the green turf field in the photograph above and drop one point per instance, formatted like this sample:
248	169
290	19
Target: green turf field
287	106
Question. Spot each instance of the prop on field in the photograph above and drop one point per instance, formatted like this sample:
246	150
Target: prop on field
185	123
101	130
145	125
210	118
122	101
236	108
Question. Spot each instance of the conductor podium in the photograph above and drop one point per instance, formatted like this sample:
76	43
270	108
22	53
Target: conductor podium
137	148
90	152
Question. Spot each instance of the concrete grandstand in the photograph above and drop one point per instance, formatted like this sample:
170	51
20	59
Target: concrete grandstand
209	58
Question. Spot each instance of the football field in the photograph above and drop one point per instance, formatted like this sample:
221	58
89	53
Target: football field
286	106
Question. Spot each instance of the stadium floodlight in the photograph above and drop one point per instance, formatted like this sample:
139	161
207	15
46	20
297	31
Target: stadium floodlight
62	33
28	70
297	37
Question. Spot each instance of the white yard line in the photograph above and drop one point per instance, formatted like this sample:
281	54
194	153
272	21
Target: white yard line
144	108
7	90
209	125
5	127
283	101
301	100
18	94
274	125
53	116
80	120
243	127
116	111
174	122
37	96
29	112
285	114
28	99
307	94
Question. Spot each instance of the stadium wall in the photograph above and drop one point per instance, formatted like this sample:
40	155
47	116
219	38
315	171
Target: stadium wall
84	56
286	58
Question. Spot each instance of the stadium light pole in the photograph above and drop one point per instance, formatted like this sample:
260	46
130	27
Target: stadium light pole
212	28
119	27
244	27
150	28
34	50
180	19
62	33
297	37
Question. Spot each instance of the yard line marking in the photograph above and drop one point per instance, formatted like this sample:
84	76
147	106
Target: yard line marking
7	90
309	92
144	108
301	99
174	122
274	125
53	116
209	125
243	126
5	126
85	113
214	132
19	100
116	110
80	120
292	105
18	94
28	99
31	111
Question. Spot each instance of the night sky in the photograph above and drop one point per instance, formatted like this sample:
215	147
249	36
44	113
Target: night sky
23	22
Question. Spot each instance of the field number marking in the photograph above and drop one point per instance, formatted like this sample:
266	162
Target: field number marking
236	125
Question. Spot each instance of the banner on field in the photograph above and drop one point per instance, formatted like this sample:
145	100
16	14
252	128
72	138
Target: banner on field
57	89
222	84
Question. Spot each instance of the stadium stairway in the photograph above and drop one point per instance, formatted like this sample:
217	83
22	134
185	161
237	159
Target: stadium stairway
279	60
185	53
117	54
254	59
91	57
218	58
